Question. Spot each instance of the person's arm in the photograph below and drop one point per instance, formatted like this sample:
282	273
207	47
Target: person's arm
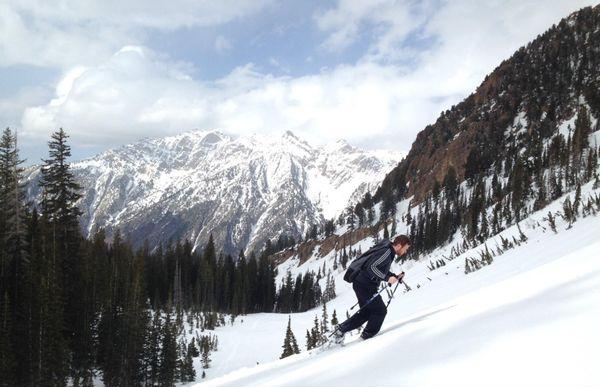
380	266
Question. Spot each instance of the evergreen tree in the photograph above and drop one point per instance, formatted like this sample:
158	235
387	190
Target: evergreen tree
168	361
324	319
450	184
15	289
7	361
185	363
60	193
334	320
290	346
316	333
583	128
153	349
310	343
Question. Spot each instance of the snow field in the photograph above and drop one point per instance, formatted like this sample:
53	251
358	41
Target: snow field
528	319
497	328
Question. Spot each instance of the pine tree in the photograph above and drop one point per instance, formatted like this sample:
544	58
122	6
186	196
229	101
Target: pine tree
153	351
14	264
290	345
551	222
185	363
60	194
344	259
7	361
450	184
207	275
350	218
168	361
324	318
577	201
205	358
192	349
316	333
568	212
310	344
519	182
334	320
582	131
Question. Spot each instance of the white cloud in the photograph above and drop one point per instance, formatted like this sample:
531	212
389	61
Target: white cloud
390	21
137	93
374	102
82	32
391	26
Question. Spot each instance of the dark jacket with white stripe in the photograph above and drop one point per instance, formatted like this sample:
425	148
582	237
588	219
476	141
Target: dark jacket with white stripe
377	267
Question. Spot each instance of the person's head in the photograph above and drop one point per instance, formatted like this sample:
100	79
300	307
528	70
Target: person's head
401	244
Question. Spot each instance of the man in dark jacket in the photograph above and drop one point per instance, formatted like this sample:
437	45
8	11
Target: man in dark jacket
375	270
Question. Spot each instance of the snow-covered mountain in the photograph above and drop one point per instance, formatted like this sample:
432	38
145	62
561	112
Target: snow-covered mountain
242	190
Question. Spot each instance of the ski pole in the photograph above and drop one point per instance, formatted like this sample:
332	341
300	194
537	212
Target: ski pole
390	299
389	292
381	290
394	292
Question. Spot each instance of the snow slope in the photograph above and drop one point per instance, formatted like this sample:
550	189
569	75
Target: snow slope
531	318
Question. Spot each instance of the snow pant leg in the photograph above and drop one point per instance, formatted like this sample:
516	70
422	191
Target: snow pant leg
358	319
376	317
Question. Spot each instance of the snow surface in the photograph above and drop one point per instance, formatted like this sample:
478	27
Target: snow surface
531	318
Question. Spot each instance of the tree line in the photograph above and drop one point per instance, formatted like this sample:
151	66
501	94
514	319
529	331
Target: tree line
73	310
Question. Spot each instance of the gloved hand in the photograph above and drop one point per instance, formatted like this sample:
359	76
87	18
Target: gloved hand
395	278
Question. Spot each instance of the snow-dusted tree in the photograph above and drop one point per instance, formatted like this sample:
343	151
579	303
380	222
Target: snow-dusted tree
334	320
324	318
290	345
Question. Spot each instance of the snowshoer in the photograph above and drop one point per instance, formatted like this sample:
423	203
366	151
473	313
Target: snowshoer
375	267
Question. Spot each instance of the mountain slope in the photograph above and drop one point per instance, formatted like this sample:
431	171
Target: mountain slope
530	319
242	190
524	100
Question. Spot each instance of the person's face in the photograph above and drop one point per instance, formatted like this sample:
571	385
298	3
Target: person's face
401	249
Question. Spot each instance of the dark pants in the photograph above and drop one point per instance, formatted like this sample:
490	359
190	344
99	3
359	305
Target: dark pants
373	314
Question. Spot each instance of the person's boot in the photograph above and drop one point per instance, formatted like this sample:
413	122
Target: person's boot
365	336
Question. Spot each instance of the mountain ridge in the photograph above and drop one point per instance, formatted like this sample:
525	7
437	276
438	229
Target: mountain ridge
244	190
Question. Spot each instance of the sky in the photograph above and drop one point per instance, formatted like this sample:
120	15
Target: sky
374	73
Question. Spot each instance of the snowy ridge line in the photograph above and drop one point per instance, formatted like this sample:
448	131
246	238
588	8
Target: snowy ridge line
201	182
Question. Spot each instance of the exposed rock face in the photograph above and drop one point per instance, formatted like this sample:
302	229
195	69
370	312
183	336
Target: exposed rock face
541	86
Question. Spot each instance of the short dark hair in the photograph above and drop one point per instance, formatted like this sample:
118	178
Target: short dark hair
401	240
